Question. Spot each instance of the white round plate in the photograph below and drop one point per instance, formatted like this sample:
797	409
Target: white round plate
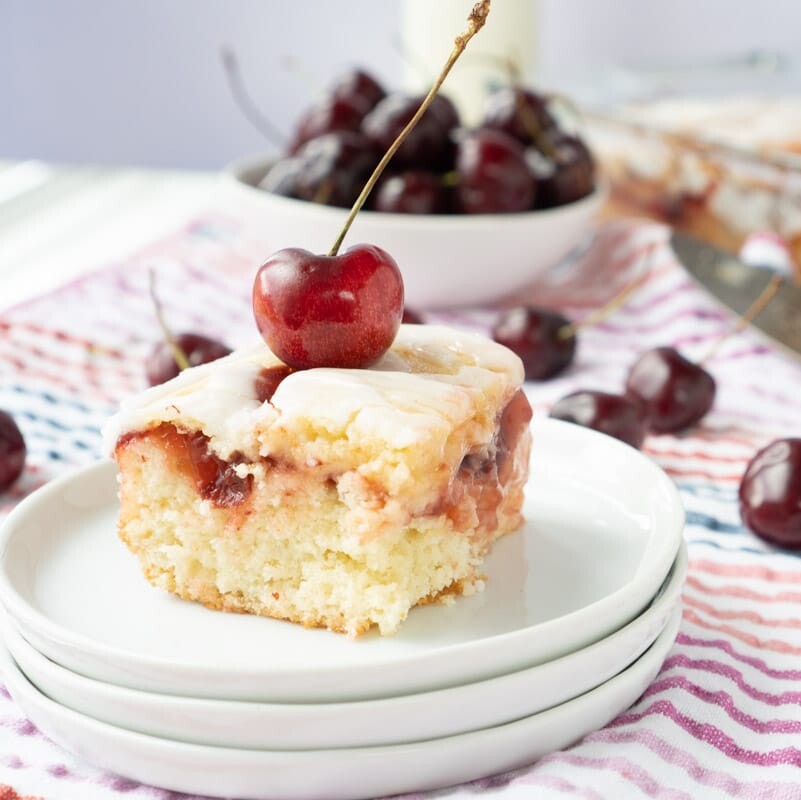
331	774
431	249
396	720
604	526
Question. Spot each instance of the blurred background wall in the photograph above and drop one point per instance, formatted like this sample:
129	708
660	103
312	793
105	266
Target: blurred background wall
141	81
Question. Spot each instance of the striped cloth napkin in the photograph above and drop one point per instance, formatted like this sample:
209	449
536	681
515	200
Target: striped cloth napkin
722	717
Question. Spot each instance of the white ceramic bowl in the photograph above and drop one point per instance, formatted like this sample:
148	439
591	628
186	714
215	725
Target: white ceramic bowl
446	260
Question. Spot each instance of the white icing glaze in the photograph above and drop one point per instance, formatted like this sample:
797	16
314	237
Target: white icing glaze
429	380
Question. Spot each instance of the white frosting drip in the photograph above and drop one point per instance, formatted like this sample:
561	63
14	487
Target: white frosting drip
428	380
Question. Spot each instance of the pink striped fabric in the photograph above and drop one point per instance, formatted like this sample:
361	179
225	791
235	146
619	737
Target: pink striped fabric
723	718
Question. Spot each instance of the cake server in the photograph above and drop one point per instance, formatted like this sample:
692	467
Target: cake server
736	285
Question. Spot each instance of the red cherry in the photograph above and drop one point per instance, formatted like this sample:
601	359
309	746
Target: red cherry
535	335
493	175
333	168
613	414
676	392
412	192
358	86
331	114
329	311
12	451
518	112
283	177
426	147
770	493
411	317
161	366
565	176
268	380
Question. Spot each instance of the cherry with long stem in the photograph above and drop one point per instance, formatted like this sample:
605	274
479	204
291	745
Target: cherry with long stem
678	392
341	310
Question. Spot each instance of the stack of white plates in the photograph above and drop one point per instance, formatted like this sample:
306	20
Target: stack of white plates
580	610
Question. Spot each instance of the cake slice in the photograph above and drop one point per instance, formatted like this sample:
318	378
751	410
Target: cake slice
337	498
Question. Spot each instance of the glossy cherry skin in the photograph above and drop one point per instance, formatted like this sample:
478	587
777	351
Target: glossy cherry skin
613	414
570	176
12	451
411	192
358	87
533	333
329	311
443	109
493	175
519	113
331	114
676	392
334	168
283	177
770	493
426	146
161	366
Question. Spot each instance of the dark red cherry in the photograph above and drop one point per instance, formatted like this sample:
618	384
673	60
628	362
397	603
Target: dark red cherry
283	177
329	115
676	392
411	192
493	175
425	147
269	379
329	311
333	168
12	451
534	334
613	414
519	113
770	493
359	87
411	317
569	176
161	366
443	109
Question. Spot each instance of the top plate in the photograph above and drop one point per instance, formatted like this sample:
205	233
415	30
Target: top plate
604	525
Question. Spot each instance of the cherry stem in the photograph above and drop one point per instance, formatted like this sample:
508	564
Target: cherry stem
177	353
476	20
754	310
245	102
609	308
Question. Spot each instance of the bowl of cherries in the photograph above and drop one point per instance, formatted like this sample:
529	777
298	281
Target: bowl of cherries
470	215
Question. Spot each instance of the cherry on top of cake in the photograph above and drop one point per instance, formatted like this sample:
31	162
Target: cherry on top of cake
342	309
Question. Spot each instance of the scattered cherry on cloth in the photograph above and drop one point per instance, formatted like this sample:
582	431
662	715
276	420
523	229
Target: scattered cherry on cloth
770	493
537	336
161	365
12	451
616	415
676	392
